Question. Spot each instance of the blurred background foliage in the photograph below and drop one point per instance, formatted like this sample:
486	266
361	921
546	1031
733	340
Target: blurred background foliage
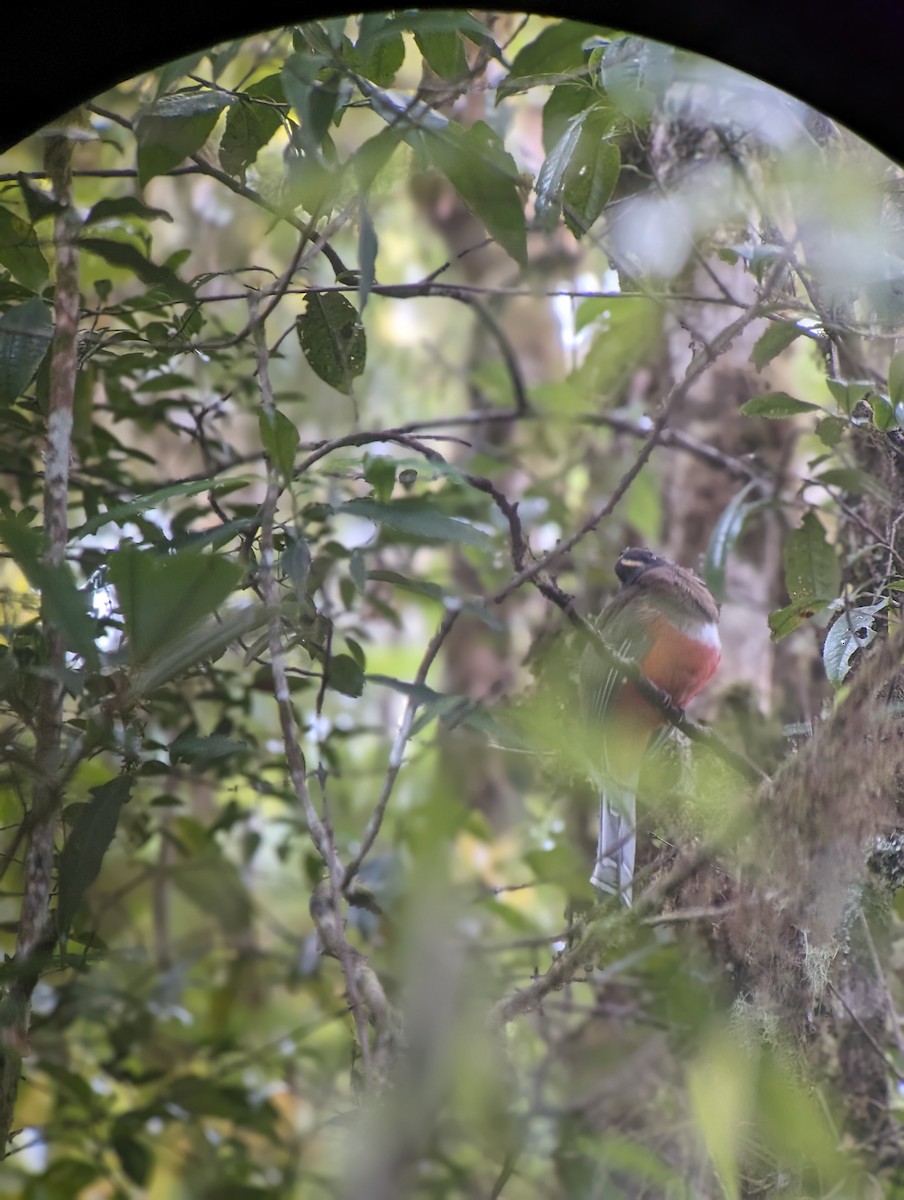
374	315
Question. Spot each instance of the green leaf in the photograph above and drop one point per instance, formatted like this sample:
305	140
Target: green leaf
556	49
176	70
565	103
163	597
725	535
896	378
296	562
883	412
128	258
635	73
250	125
376	29
332	339
66	1177
419	692
580	171
134	1156
852	479
587	192
213	884
367	258
66	607
854	629
344	675
778	336
25	335
419	519
279	437
372	156
190	747
631	328
174	127
381	56
20	252
380	473
40	204
485	176
830	430
114	208
121	513
208	1098
848	395
198	644
642	506
433	591
314	101
551	179
775	405
812	570
444	53
88	842
357	570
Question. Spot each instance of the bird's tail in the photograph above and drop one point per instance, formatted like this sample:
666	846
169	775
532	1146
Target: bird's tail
617	843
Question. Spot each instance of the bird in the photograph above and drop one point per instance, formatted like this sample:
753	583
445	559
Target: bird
665	621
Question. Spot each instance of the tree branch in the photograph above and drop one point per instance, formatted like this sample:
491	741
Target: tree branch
36	933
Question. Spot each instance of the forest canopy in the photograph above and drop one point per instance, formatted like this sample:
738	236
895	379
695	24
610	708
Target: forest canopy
337	367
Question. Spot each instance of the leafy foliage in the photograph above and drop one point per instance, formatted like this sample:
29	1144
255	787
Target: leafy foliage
402	335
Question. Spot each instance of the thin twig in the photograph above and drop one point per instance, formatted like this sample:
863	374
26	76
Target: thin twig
397	749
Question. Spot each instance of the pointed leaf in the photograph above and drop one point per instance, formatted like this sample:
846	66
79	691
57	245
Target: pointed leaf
854	629
66	607
174	127
344	674
848	395
128	258
195	645
372	156
551	179
381	60
134	1156
896	378
775	405
485	176
812	570
88	842
332	339
25	334
40	204
251	124
162	597
367	258
380	473
116	207
725	536
279	437
191	747
778	336
121	513
20	252
591	180
859	483
444	52
212	883
556	49
419	519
